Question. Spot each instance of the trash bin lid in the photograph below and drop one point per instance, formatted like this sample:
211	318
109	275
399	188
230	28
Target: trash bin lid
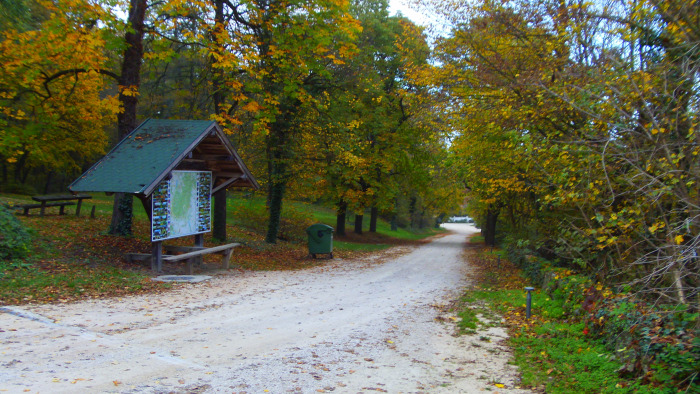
315	228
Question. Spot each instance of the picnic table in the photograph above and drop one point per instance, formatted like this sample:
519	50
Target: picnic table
56	200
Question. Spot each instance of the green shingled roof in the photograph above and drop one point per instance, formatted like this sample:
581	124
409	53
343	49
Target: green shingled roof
142	159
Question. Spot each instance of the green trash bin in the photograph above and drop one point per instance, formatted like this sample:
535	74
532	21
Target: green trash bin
320	239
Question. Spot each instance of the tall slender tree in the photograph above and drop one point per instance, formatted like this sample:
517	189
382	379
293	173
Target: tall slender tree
129	83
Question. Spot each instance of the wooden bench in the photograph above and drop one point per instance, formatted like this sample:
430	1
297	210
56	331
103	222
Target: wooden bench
193	253
27	207
61	200
225	250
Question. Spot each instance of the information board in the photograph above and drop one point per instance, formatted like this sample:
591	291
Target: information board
181	205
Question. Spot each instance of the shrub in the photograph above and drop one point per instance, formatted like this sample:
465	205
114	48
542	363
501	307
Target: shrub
14	237
659	344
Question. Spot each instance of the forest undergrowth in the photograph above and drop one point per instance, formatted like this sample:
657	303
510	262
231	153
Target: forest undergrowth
582	337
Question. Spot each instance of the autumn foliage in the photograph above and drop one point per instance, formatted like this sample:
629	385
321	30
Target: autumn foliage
576	132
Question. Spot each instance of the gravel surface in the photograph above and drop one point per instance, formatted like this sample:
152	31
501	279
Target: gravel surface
349	326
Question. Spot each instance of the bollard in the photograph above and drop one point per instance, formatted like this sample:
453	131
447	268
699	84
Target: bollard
529	301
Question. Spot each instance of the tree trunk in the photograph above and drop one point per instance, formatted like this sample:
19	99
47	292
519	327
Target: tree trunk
277	155
373	213
219	225
4	169
19	166
394	222
489	230
412	211
129	82
121	214
47	185
276	197
219	100
358	223
340	218
439	219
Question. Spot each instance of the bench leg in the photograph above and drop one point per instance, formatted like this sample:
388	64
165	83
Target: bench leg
61	210
43	207
77	209
26	211
190	265
226	258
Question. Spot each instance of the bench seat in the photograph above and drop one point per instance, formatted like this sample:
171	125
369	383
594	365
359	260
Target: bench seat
224	250
62	205
191	255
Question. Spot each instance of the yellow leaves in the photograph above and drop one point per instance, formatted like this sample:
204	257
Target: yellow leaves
334	59
252	106
656	226
354	124
129	91
678	239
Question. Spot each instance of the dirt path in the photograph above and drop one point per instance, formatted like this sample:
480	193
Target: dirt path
348	327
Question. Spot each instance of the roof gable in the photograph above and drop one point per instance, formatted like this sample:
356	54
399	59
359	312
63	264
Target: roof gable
156	147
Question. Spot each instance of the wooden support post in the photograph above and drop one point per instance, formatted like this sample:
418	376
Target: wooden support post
198	242
157	257
92	212
77	209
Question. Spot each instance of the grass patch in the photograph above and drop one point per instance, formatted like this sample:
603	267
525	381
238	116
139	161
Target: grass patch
553	353
52	281
359	247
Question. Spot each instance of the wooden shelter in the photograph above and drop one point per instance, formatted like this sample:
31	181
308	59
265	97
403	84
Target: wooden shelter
156	148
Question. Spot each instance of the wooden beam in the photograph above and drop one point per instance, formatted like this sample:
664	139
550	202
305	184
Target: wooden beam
192	166
226	184
215	157
228	174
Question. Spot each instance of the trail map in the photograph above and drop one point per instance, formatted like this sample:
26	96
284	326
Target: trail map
182	205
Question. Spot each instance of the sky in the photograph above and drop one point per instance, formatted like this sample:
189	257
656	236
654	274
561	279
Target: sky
402	5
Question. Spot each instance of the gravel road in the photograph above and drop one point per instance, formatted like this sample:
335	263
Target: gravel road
349	326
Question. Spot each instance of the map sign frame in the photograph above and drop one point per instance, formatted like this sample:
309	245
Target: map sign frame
181	205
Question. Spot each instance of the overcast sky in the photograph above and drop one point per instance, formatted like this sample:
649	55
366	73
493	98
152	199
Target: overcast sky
401	5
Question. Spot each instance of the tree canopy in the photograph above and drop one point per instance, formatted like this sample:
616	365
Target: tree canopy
567	129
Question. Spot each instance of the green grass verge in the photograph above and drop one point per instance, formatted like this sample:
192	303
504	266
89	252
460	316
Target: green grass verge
551	353
359	247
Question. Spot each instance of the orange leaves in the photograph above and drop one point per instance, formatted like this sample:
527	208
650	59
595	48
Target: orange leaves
54	92
252	106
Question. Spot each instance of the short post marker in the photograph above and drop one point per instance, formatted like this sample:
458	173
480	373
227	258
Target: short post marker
528	307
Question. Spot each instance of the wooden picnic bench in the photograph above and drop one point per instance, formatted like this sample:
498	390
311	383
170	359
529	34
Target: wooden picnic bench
56	200
27	207
192	255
